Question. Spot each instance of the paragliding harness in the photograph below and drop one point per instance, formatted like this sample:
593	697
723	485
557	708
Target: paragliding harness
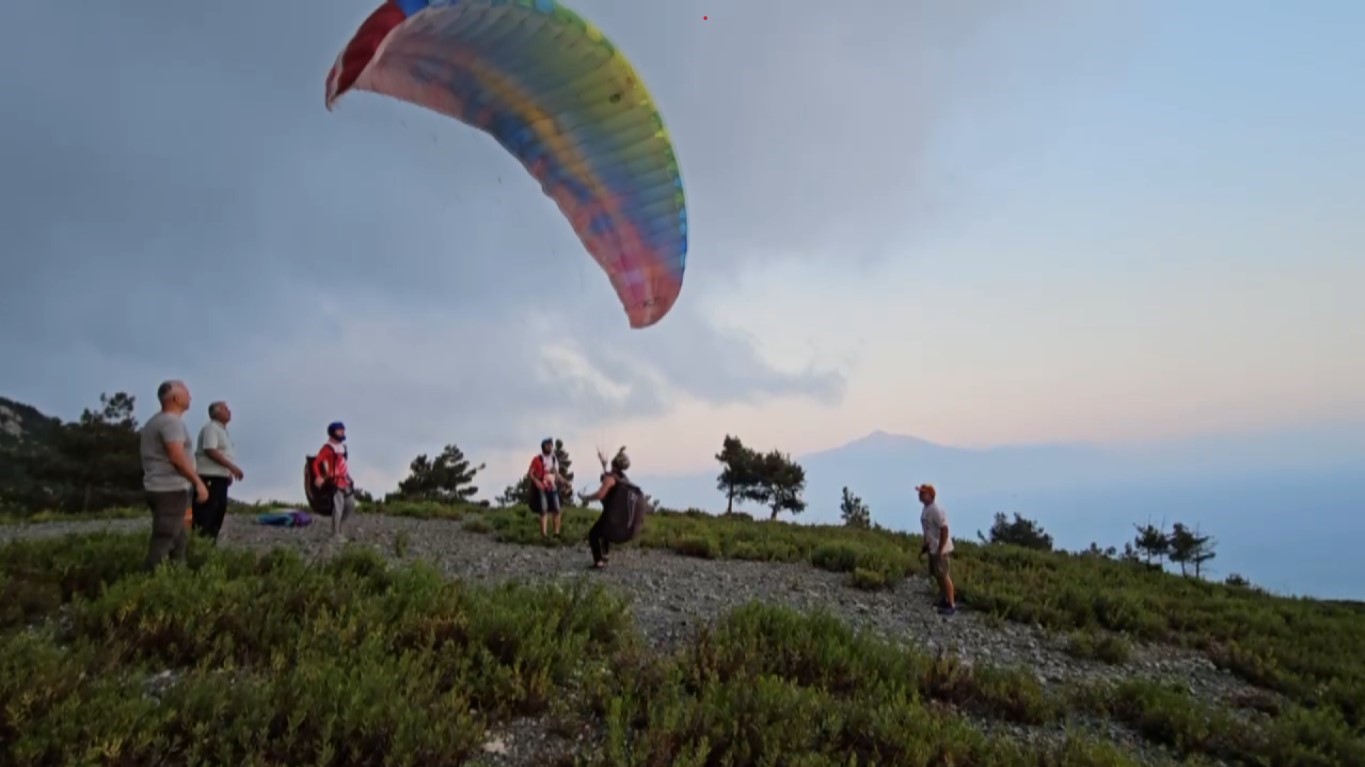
321	500
535	494
623	511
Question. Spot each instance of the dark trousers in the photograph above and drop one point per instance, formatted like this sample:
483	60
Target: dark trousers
601	547
168	526
208	516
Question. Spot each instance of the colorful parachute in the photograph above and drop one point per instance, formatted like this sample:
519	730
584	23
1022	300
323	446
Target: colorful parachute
559	96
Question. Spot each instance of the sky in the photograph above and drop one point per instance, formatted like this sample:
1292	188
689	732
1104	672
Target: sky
978	223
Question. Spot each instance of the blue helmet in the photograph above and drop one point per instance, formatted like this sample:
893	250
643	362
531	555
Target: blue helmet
334	427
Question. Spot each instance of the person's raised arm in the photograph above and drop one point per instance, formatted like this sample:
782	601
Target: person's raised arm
607	482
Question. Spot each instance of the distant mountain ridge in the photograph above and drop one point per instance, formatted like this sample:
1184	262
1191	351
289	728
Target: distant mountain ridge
1238	488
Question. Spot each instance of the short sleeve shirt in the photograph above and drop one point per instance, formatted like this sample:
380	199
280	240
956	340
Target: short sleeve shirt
158	473
933	520
214	436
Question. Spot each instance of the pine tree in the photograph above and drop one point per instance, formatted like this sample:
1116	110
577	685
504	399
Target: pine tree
780	482
1188	547
565	471
1021	532
518	492
1152	541
448	478
854	512
739	476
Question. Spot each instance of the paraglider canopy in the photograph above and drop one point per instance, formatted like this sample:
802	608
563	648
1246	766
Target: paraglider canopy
553	91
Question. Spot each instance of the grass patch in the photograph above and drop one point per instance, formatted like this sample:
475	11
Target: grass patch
1305	650
241	658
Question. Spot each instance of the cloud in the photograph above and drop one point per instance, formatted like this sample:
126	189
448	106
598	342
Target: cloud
177	203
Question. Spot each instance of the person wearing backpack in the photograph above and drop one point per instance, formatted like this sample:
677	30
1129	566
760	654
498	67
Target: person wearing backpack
623	509
331	472
545	481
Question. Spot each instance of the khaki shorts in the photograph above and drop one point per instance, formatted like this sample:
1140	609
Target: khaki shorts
939	565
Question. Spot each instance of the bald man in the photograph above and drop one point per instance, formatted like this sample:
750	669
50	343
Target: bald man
168	473
216	463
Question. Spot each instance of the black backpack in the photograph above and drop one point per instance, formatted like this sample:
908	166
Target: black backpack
320	499
623	513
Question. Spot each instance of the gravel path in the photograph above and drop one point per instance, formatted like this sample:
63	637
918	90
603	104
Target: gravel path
673	595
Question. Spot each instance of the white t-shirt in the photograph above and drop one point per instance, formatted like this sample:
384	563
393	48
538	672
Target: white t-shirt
933	520
214	436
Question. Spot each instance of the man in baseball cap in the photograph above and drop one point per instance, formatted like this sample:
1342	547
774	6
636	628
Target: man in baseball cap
938	544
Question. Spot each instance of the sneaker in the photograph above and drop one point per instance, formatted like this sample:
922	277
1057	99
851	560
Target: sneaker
946	610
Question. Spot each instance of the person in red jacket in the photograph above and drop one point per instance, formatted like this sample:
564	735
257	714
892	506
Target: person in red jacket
546	478
331	470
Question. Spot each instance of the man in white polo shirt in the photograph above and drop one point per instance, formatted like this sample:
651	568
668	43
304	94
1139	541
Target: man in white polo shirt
938	544
217	465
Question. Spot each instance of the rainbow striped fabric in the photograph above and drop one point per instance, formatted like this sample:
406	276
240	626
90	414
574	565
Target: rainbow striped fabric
553	91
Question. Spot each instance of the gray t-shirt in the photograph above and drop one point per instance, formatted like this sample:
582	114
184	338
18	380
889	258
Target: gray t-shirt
158	473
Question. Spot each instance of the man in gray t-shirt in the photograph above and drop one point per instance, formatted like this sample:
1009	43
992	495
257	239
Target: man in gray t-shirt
168	473
159	475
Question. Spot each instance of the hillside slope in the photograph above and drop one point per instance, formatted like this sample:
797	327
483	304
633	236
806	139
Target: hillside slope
1044	641
23	424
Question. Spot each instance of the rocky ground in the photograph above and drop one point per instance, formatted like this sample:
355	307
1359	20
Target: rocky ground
673	595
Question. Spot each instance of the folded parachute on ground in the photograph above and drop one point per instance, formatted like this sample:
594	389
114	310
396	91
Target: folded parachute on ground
560	97
285	518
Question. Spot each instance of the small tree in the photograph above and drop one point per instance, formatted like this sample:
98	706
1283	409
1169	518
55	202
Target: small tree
518	492
1130	554
1188	548
1021	532
562	456
446	479
780	482
1152	541
854	512
739	476
1098	552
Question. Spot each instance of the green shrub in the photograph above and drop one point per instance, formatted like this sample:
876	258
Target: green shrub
1100	646
275	660
697	546
868	580
477	524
